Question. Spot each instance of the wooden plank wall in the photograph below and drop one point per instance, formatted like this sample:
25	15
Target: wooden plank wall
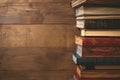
36	40
52	18
42	35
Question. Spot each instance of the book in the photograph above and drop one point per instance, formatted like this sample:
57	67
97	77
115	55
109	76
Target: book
96	10
86	17
97	74
76	3
96	41
95	60
98	51
75	77
98	24
100	67
100	32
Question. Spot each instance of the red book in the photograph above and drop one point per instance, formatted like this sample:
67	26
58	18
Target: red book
76	77
97	41
96	74
98	51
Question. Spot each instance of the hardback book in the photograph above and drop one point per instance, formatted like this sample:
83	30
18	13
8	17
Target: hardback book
76	77
76	3
98	17
95	60
100	32
98	24
96	10
100	67
97	41
97	74
98	51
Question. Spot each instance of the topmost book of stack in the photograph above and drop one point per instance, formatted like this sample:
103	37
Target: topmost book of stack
76	3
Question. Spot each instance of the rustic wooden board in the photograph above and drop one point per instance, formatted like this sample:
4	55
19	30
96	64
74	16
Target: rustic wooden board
36	64
23	1
35	59
36	36
36	40
36	13
36	75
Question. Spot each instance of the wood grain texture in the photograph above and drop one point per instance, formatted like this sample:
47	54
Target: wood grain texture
23	1
35	75
36	40
36	59
36	64
36	36
36	13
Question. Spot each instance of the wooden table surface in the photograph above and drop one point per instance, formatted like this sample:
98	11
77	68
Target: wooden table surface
36	64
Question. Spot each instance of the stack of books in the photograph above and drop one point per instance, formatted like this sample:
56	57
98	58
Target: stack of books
97	55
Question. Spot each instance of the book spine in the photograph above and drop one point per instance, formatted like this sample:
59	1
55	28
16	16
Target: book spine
100	24
96	11
102	67
100	33
96	73
100	51
95	60
95	41
98	17
77	78
77	3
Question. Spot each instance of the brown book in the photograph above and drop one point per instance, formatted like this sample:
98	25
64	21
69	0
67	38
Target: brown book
101	74
97	41
76	77
76	3
96	10
98	51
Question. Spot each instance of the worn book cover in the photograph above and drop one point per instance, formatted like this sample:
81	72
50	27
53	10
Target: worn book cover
77	59
96	10
76	3
87	17
98	24
100	32
101	74
97	41
98	51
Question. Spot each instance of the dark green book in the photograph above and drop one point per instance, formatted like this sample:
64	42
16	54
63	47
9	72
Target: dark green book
95	60
98	24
